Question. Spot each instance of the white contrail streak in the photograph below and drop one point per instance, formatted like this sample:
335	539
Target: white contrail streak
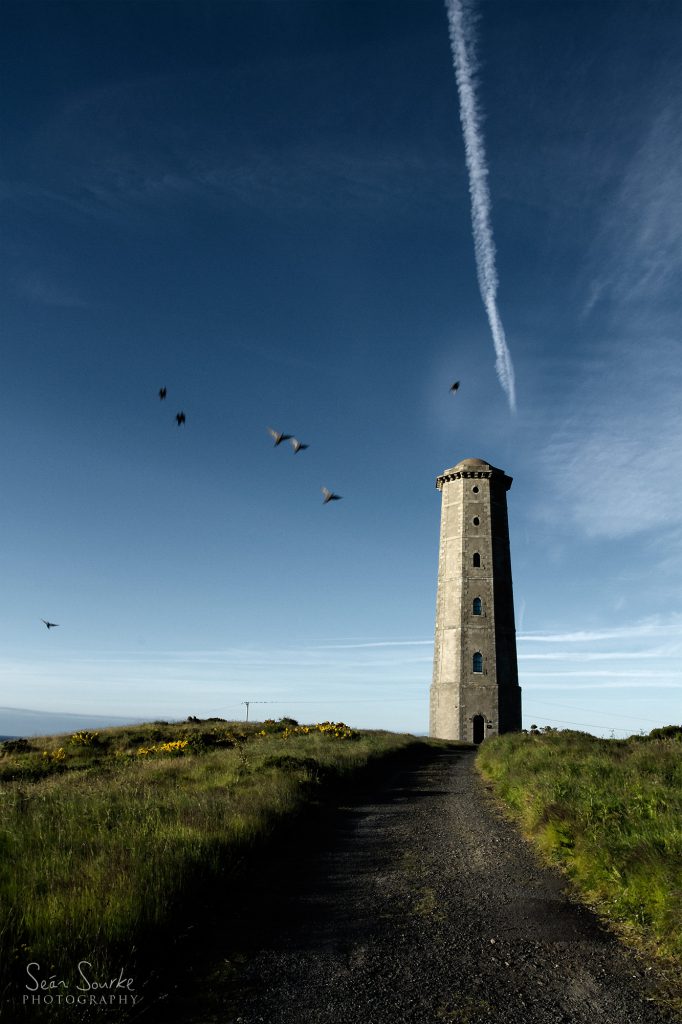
462	43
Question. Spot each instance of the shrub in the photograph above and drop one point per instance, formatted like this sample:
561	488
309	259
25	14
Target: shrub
85	739
18	746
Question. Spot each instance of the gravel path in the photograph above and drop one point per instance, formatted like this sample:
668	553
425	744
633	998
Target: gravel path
425	906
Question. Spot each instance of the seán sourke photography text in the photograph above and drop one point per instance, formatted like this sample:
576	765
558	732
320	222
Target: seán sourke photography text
85	989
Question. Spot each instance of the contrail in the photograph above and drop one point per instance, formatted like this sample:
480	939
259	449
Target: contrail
462	42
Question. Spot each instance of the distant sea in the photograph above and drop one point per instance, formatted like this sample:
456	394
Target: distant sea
24	722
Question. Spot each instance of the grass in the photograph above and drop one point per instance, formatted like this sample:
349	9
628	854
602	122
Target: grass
107	838
609	812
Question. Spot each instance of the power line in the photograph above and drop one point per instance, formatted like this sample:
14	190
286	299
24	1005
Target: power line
345	700
596	711
584	725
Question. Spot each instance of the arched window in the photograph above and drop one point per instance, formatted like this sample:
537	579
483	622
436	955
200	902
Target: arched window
477	560
476	521
477	606
478	662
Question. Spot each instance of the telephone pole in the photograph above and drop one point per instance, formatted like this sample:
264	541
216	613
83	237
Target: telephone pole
247	702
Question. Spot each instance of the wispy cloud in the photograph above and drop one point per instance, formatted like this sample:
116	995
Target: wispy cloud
609	673
576	660
139	145
612	463
637	253
386	680
612	459
643	684
41	287
375	643
463	54
186	682
612	656
647	628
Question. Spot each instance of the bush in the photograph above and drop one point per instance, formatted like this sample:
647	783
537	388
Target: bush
18	746
85	739
667	732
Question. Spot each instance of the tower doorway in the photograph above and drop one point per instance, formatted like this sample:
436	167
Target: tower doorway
479	728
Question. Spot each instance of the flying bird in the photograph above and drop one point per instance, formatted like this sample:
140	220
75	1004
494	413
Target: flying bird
455	387
277	437
180	417
329	496
297	446
162	393
49	624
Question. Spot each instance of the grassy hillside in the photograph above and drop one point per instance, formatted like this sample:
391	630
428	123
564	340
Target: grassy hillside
610	813
106	838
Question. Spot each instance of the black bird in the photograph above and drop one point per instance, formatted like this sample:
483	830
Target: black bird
277	437
329	496
49	624
162	393
455	387
297	446
180	417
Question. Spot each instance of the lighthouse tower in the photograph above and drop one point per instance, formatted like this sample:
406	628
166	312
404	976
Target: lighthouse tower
475	691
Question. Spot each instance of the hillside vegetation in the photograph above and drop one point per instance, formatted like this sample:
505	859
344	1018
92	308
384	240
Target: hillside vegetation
107	838
609	812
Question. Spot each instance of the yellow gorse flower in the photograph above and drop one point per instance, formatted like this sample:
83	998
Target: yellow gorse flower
172	747
55	755
83	738
338	730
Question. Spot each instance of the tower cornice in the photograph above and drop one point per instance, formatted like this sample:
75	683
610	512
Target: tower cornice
466	474
472	469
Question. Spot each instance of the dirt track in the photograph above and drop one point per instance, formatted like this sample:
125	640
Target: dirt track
423	905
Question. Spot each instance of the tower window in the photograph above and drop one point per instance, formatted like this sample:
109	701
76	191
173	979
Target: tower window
478	662
477	606
477	560
475	520
475	490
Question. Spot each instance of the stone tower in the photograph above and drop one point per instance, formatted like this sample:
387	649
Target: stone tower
475	691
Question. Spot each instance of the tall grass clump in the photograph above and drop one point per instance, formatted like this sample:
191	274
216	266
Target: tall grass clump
609	812
107	838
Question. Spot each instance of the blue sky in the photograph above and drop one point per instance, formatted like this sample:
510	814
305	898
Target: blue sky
265	208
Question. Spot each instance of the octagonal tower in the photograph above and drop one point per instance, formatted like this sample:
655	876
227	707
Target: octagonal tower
475	691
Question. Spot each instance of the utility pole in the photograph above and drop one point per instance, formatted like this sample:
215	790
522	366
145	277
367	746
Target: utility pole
247	702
